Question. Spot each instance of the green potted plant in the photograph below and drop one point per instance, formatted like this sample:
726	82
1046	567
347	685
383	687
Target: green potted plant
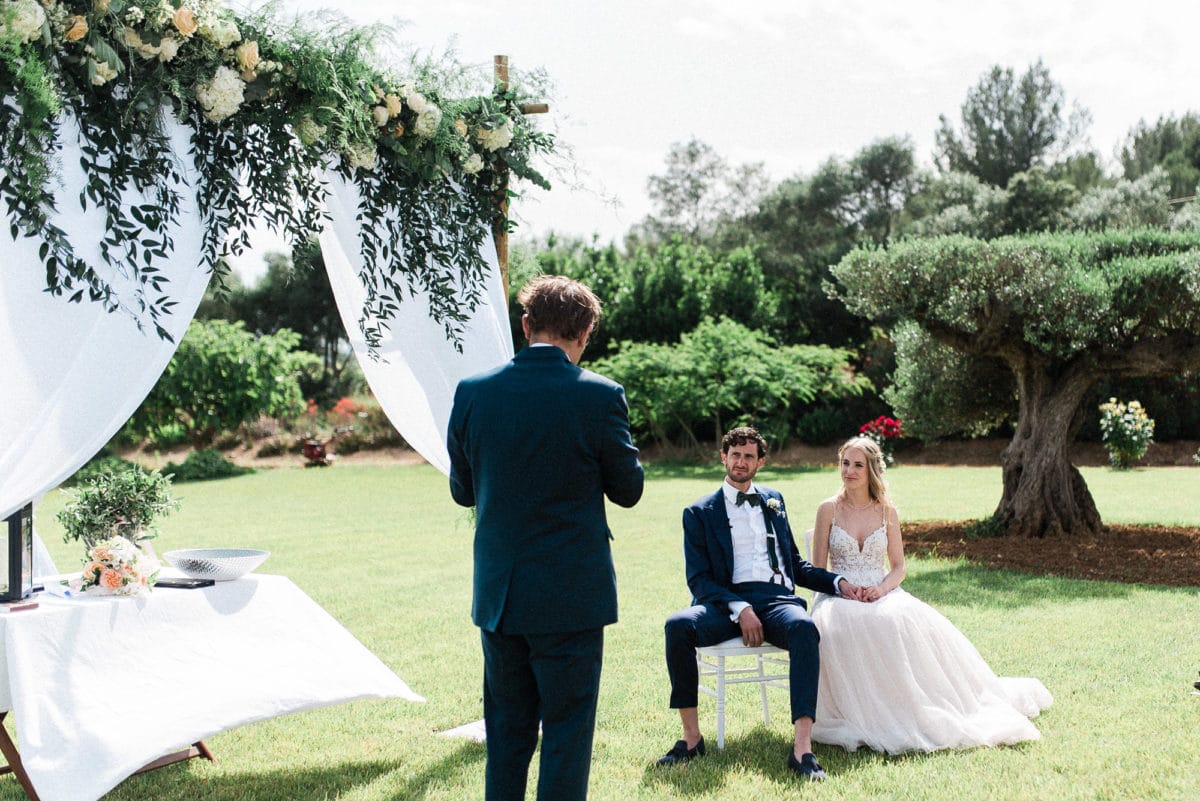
123	502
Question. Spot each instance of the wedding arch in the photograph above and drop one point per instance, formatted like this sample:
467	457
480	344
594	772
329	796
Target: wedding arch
140	145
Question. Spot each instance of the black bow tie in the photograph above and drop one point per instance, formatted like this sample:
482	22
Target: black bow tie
753	498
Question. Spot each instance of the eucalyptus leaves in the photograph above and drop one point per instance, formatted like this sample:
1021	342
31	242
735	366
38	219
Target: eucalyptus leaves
270	106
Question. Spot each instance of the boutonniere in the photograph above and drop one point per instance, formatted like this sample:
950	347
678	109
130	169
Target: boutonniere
776	506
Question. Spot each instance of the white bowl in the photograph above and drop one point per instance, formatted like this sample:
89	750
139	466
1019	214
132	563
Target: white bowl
218	564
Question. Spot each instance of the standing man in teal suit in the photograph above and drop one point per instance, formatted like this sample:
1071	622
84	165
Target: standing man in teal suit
535	446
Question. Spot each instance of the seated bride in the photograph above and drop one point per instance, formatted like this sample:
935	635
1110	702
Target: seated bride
896	675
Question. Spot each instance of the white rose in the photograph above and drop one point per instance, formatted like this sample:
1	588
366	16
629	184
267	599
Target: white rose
473	164
380	115
427	122
25	23
223	95
497	138
416	101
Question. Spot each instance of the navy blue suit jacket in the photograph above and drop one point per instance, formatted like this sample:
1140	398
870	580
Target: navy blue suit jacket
535	446
708	551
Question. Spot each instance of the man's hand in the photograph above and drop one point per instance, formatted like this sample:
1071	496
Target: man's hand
852	591
752	633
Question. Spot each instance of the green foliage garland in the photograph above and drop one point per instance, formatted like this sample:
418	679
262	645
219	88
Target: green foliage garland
270	104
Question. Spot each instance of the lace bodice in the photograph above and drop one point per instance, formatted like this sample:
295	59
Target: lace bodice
865	567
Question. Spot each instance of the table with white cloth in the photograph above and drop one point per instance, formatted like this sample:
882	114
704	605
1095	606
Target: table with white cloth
99	687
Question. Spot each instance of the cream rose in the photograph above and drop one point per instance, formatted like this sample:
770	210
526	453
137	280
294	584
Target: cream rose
460	126
100	6
416	101
496	138
393	104
427	122
168	48
103	73
473	164
221	33
247	55
380	115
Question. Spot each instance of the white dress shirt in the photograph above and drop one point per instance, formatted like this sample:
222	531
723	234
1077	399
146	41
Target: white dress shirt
748	530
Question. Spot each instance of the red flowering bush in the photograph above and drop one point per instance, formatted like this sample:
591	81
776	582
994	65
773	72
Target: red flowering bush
884	430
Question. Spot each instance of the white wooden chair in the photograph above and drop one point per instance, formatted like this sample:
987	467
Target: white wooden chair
770	668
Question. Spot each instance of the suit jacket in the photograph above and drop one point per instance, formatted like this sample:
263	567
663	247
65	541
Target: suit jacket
535	446
708	551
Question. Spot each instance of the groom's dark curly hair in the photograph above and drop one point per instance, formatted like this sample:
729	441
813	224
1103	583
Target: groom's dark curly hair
744	435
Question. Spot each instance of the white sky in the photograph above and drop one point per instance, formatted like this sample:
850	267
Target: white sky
787	82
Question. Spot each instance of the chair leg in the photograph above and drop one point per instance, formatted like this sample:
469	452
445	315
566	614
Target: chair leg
762	689
720	703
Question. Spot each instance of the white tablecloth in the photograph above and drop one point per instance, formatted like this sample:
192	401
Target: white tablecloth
101	686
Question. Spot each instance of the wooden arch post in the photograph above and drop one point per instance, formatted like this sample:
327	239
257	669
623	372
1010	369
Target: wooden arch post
500	224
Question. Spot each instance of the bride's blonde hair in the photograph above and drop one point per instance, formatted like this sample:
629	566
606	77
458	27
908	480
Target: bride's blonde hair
876	486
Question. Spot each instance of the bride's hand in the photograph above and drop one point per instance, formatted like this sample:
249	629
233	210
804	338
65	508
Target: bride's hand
870	594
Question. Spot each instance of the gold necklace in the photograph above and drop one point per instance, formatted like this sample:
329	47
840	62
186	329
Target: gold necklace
863	508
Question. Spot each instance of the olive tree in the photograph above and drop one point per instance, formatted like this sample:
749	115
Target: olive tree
1062	312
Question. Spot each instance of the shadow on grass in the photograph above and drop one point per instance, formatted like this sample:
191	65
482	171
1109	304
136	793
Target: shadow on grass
961	583
307	784
764	752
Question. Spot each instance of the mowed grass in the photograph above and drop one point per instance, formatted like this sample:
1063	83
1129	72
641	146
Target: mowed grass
388	554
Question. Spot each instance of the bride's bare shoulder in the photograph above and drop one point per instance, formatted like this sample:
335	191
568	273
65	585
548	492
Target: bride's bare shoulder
827	506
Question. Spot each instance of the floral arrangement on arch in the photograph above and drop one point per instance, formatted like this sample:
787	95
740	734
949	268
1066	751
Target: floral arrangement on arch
118	567
883	430
271	102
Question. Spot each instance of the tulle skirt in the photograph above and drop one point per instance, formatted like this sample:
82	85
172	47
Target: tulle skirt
897	676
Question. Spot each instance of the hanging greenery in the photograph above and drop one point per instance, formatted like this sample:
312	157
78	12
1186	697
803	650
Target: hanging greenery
271	106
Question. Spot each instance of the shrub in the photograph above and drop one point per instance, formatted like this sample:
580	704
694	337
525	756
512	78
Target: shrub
824	425
1127	432
121	502
205	466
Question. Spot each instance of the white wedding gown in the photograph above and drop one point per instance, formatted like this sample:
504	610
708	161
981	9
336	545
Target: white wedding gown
897	676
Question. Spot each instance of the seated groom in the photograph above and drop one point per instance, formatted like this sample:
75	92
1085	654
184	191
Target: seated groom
742	568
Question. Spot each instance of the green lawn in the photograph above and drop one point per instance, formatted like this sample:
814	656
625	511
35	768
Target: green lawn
388	554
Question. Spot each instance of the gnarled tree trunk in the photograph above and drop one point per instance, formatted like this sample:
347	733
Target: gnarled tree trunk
1043	492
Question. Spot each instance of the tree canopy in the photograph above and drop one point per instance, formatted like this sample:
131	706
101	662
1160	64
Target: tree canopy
1009	124
1061	312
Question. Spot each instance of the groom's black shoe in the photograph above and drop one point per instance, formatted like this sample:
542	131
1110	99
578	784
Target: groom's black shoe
806	767
680	753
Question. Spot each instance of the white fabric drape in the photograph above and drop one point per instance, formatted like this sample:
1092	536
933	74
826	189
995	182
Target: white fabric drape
71	374
418	370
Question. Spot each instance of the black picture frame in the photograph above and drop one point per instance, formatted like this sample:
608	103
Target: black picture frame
18	548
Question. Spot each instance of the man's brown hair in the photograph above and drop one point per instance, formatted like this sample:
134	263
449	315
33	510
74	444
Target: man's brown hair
744	435
559	306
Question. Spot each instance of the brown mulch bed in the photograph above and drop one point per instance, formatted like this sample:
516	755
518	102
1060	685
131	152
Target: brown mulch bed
1131	554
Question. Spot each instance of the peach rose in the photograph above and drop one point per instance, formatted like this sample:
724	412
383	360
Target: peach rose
460	127
398	131
392	102
110	579
184	21
102	553
77	29
247	56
